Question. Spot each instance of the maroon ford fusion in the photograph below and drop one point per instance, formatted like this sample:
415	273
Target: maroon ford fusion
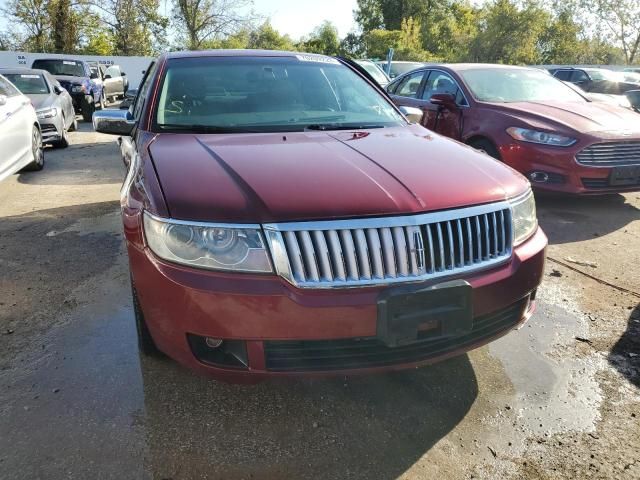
559	139
283	217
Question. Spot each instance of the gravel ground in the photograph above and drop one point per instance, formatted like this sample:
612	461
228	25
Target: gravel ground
557	399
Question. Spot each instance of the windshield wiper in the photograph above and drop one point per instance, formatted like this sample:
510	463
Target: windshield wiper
197	128
341	126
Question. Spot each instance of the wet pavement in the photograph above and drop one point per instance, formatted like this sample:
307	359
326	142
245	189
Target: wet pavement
558	398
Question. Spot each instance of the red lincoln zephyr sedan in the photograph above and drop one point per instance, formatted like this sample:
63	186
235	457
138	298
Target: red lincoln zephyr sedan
531	121
283	217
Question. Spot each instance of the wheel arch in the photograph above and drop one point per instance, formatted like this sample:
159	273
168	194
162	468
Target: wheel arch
480	137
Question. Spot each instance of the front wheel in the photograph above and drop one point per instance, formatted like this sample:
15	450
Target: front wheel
88	107
64	139
37	151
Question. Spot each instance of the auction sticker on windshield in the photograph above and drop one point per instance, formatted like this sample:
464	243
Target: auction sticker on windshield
313	58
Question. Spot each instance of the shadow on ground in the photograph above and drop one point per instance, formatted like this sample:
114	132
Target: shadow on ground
198	428
567	219
625	354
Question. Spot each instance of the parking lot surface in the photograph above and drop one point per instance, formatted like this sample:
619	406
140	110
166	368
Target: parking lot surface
559	398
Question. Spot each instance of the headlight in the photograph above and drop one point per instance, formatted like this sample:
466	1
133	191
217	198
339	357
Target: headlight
215	247
523	213
544	138
78	88
47	113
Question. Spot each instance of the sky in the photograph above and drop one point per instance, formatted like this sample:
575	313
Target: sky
300	17
294	17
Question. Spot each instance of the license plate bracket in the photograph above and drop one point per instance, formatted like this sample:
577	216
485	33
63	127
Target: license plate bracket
402	310
627	175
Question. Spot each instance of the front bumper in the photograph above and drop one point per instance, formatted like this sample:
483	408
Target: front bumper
274	319
565	174
51	131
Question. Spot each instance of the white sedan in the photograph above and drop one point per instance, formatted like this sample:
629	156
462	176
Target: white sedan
20	136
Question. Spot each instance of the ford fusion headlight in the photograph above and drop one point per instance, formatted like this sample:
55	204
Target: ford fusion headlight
523	214
215	247
545	138
47	113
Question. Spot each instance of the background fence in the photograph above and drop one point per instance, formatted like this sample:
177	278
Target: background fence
132	66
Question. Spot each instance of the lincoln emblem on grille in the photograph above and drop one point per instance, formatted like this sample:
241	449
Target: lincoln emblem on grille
419	249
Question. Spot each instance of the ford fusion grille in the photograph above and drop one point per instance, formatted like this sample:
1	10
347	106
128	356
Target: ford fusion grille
372	251
610	154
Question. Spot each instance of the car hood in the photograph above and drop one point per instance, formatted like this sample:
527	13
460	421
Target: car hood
43	100
324	175
69	78
582	117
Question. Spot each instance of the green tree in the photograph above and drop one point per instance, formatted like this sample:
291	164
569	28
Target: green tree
560	42
406	42
266	37
352	45
64	26
136	26
509	33
33	17
203	22
324	39
621	20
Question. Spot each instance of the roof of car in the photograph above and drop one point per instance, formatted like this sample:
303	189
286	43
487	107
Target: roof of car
237	53
25	71
476	66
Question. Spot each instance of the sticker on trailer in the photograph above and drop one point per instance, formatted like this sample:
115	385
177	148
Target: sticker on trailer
314	58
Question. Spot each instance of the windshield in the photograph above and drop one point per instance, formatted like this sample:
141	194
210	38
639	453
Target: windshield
61	67
371	68
398	69
28	83
599	75
517	85
263	94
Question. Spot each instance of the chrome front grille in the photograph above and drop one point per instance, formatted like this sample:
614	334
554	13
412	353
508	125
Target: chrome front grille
610	154
372	251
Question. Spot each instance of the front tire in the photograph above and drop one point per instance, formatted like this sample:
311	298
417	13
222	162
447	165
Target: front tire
37	151
146	344
64	140
88	107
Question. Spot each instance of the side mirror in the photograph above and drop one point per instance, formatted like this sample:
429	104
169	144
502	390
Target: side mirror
123	74
58	90
107	76
414	115
114	122
3	100
445	100
93	76
634	98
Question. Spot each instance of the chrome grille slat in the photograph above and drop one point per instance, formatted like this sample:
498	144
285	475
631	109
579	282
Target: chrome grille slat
440	246
337	258
400	244
349	253
374	251
362	252
460	242
610	154
388	254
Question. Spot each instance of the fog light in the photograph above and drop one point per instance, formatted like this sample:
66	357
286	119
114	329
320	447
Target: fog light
213	342
539	177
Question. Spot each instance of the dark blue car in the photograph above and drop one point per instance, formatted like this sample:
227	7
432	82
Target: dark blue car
75	76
